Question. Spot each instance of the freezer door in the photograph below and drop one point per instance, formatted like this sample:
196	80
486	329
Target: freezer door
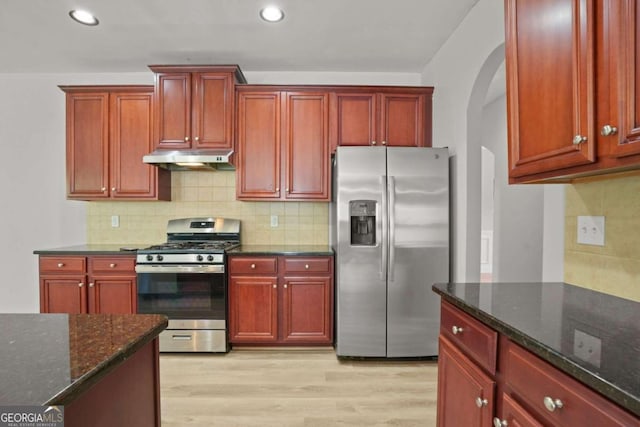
418	188
361	293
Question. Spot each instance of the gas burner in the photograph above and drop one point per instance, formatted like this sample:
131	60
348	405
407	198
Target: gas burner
189	246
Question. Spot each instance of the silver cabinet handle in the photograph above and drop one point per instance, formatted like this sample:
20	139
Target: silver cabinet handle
384	142
277	188
275	286
103	189
373	143
181	337
91	285
253	266
497	422
186	139
552	404
306	266
197	138
80	284
608	130
286	189
391	183
480	402
113	188
112	265
285	286
579	139
60	264
457	330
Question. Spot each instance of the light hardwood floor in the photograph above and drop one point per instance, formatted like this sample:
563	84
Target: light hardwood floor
295	388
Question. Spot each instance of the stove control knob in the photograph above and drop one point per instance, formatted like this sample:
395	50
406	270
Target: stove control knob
149	257
199	257
210	258
159	257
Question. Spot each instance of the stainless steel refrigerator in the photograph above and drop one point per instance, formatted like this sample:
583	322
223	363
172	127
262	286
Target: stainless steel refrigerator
390	234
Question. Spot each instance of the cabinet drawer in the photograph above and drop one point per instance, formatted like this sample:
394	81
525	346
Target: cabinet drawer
253	265
533	381
112	265
62	264
307	265
475	339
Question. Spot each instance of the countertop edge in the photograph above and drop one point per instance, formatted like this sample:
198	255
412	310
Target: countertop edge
620	397
70	393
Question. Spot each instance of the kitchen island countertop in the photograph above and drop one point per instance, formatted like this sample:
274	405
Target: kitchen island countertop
547	318
52	359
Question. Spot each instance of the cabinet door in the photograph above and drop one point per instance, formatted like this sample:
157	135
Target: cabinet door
172	118
87	145
353	118
465	393
403	120
212	108
514	415
130	139
306	143
307	310
253	309
258	169
63	294
626	30
112	295
550	84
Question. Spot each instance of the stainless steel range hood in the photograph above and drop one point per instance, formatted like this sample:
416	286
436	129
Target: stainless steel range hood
190	159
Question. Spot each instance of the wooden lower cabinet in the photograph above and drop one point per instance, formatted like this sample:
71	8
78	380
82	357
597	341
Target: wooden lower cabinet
272	302
524	390
95	284
465	392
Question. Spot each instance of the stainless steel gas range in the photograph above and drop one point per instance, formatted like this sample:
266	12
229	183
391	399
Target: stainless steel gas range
186	280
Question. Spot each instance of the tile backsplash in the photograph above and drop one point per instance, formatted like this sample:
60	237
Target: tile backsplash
615	267
208	193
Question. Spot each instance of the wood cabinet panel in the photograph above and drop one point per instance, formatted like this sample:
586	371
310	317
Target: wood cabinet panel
63	294
460	384
62	264
254	265
113	295
112	265
300	264
551	87
403	120
172	121
253	309
212	114
353	118
307	310
258	169
514	415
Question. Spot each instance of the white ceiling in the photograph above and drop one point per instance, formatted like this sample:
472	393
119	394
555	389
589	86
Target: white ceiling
316	35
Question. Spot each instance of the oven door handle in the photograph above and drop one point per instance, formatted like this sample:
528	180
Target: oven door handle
143	268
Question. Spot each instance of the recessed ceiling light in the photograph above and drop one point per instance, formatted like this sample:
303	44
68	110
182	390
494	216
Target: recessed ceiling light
83	17
272	14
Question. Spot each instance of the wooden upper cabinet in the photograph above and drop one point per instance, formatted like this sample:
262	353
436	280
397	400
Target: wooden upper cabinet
109	129
194	106
550	84
394	116
283	144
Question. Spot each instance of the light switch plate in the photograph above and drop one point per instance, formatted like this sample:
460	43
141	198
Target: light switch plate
115	221
591	230
274	220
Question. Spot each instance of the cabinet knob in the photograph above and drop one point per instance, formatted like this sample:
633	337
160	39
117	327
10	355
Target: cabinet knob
113	188
60	264
457	330
80	284
286	189
197	138
497	422
186	139
608	130
253	266
373	143
91	285
480	402
112	265
285	286
103	189
384	142
306	266
275	286
579	139
552	404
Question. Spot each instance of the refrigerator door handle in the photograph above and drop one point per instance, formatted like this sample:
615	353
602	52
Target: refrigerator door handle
383	224
392	226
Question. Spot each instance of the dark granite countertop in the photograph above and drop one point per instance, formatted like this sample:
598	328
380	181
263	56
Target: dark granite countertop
105	249
545	318
304	250
50	359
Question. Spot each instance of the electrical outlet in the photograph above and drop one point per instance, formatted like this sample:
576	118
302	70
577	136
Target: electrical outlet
115	221
587	347
591	230
274	220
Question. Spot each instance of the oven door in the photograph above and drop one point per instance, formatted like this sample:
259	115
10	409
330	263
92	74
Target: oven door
183	292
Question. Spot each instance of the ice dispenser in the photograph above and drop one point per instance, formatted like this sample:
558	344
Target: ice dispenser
363	222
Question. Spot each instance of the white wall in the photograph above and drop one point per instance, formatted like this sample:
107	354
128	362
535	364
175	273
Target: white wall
35	213
461	72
